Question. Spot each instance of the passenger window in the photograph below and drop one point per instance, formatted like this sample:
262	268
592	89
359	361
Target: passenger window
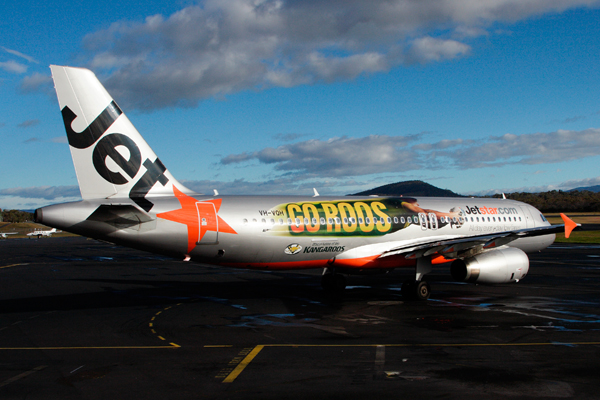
395	220
338	220
368	220
314	221
245	221
360	221
345	221
389	220
322	221
264	221
402	220
289	221
330	221
280	221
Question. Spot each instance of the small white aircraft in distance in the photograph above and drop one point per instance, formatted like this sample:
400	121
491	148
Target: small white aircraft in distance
3	234
39	233
131	199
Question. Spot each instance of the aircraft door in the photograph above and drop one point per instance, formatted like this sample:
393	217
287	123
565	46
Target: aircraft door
433	222
423	221
527	216
208	223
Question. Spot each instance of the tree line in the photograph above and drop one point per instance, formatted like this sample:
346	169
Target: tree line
546	202
15	216
559	201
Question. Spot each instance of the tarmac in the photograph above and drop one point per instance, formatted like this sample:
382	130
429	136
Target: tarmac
81	319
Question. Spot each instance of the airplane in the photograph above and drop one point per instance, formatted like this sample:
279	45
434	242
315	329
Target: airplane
3	234
130	198
39	233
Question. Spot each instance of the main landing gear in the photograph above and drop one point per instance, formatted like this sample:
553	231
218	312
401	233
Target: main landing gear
418	289
415	290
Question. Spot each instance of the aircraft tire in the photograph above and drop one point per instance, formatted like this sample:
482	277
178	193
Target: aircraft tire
423	290
414	290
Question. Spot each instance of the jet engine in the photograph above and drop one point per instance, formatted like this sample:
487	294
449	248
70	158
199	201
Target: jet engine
503	265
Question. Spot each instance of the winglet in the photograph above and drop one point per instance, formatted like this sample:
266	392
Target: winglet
569	225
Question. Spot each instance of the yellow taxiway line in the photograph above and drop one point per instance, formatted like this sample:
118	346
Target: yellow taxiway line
243	364
257	349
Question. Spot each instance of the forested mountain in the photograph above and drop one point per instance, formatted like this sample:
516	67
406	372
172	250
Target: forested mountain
408	188
553	201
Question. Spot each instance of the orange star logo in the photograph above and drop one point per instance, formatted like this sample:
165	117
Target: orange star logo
192	212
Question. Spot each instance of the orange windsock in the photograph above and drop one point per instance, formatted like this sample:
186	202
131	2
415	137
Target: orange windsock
569	225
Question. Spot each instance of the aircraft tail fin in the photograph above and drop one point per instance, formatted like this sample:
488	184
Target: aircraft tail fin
111	158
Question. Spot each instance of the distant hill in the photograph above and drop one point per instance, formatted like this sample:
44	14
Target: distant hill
595	189
408	188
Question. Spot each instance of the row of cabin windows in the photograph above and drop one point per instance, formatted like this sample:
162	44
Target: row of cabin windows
402	220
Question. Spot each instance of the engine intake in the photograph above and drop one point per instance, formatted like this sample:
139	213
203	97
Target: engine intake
495	266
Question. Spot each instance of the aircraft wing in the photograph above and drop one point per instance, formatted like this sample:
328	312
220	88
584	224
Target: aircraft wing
486	241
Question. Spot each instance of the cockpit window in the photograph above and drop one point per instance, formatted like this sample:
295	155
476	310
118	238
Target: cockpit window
543	218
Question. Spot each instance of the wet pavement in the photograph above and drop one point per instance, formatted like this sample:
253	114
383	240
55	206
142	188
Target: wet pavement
80	319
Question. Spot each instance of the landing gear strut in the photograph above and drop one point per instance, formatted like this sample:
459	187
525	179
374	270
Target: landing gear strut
332	282
418	289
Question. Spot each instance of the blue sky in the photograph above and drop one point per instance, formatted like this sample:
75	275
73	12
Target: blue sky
277	97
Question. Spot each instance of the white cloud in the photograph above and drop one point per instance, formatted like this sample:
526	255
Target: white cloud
220	47
29	123
567	185
19	54
529	149
338	157
428	49
281	186
43	192
13	67
37	82
346	157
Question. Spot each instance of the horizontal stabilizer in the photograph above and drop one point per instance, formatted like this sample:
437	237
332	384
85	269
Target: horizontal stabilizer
119	216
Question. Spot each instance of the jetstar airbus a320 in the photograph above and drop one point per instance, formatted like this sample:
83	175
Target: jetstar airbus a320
130	198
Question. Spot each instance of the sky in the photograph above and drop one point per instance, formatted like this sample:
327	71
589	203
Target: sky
280	96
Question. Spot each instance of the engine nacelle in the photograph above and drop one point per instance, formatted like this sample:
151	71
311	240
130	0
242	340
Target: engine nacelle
504	265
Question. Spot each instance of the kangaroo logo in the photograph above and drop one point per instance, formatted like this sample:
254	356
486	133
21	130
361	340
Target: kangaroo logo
106	148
